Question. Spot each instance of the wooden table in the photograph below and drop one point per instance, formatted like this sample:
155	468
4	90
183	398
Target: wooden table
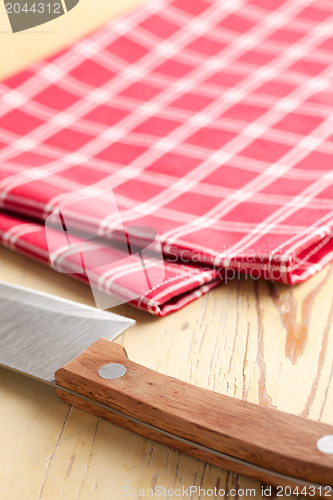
267	343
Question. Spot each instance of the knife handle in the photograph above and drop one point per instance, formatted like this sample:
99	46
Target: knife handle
262	443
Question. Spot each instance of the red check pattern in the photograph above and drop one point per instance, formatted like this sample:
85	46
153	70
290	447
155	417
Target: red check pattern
211	121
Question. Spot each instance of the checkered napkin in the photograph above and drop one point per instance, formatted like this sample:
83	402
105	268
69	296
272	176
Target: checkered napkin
212	122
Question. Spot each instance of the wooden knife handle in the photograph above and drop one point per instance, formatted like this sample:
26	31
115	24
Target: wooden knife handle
240	436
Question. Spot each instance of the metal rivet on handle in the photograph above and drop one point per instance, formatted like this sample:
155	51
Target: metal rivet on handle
113	370
325	444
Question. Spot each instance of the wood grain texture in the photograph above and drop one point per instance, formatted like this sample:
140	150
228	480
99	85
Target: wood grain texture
261	436
233	340
265	343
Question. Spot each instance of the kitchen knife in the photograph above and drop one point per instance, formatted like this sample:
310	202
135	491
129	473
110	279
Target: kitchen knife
58	342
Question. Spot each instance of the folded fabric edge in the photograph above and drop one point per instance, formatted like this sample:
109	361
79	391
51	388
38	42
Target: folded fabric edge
182	300
191	280
292	262
170	295
311	258
171	302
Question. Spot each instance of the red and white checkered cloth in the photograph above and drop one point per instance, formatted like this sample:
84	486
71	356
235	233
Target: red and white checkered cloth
212	121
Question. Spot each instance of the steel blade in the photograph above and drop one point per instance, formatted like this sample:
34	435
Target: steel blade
40	333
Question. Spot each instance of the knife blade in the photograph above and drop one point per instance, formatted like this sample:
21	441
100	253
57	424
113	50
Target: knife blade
39	333
59	342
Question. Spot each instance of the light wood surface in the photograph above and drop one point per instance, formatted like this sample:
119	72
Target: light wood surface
183	415
266	343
